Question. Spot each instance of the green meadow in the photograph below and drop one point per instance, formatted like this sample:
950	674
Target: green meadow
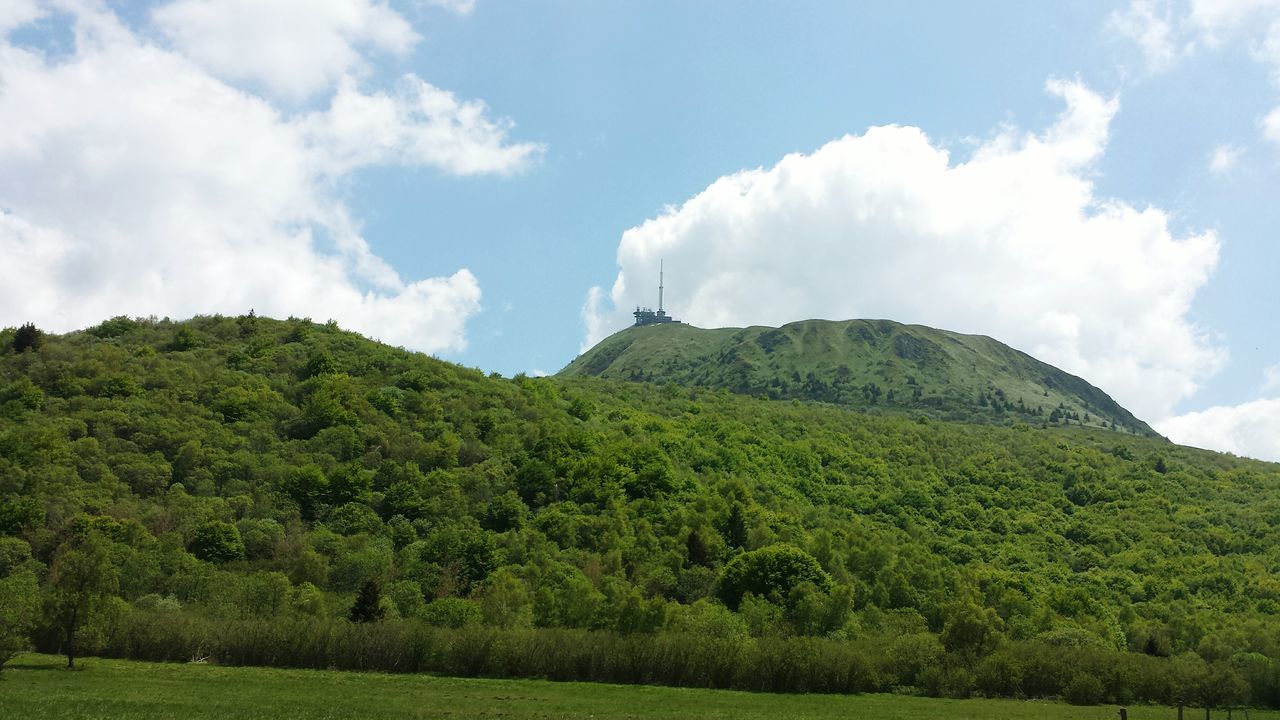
38	686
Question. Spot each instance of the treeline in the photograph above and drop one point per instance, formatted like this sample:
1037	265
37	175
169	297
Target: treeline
229	471
910	663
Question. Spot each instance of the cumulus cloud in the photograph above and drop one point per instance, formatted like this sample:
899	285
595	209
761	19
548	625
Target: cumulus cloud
1011	243
1251	429
132	181
293	47
1224	159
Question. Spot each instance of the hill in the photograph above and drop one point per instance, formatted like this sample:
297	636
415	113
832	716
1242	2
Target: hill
241	483
875	365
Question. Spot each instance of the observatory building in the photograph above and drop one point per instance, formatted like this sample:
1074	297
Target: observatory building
646	316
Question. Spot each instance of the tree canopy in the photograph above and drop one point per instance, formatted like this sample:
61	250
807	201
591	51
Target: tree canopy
237	468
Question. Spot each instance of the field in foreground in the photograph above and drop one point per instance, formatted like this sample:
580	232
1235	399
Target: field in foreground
37	686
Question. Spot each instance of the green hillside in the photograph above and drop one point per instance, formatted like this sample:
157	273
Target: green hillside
237	488
866	364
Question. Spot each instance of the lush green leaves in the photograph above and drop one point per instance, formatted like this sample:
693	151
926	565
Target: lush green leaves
772	573
273	469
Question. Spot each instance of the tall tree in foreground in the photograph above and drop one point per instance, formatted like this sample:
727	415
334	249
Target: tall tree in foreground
81	576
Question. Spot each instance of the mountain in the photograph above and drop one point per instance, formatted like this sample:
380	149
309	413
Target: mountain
866	364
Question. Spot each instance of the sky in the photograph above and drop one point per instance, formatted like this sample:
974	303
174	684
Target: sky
495	182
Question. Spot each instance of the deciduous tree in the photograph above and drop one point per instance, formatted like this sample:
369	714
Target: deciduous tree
81	576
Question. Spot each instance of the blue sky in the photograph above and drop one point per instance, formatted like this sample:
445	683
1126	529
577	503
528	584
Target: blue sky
1094	183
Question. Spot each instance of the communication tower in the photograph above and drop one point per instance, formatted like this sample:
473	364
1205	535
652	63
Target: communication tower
646	316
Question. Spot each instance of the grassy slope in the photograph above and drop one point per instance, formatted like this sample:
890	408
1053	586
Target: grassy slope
835	361
36	687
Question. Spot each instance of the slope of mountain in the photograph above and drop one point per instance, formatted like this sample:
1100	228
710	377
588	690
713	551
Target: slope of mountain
866	364
248	470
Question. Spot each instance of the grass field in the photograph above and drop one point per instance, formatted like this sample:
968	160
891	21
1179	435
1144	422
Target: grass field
37	686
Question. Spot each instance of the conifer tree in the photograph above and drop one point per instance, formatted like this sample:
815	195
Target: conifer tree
28	337
736	527
368	605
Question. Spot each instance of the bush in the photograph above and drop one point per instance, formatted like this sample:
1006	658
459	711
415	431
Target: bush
1084	689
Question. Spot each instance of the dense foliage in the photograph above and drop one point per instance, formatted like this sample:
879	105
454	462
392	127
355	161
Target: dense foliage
876	366
226	471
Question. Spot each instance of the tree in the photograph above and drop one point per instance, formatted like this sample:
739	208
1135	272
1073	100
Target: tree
308	487
28	337
505	601
183	339
970	628
19	602
368	605
81	576
736	527
771	573
696	549
217	541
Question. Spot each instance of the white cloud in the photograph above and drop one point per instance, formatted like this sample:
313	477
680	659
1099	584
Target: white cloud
1147	24
1251	429
16	13
1224	159
293	47
133	182
1012	243
419	124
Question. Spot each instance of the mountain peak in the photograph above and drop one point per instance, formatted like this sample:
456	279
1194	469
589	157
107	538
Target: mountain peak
873	365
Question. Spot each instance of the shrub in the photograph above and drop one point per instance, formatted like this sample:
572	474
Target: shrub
1084	689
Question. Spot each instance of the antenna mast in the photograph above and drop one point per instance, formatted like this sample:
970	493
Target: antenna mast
659	285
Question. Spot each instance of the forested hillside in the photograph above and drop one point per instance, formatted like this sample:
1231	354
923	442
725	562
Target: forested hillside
254	473
873	365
